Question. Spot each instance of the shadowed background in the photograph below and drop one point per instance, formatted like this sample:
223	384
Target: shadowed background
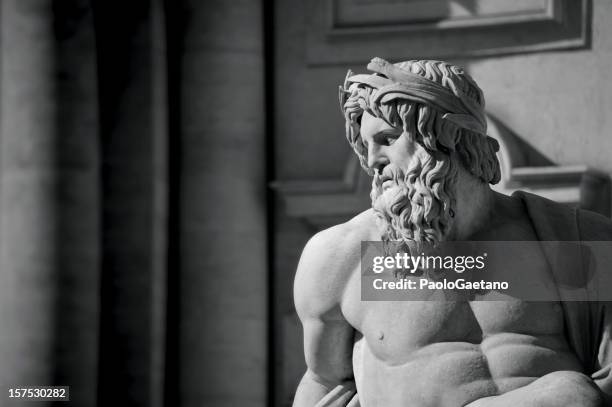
145	259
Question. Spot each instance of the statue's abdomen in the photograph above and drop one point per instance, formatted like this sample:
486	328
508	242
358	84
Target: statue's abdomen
455	356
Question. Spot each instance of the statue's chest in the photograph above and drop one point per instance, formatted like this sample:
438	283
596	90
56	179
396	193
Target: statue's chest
395	330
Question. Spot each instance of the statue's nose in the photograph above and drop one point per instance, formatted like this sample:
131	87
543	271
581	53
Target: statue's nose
377	160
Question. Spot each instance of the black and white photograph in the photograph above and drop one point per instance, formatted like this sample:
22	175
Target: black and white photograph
321	203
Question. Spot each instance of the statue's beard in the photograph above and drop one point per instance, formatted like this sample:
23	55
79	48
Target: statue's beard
418	206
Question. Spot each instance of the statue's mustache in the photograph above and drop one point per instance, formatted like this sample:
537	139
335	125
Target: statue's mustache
389	173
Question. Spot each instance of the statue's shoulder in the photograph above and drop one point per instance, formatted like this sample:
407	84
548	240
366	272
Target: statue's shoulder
338	244
555	221
593	226
328	260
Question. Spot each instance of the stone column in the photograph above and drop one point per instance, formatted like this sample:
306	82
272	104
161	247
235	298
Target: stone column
48	197
223	280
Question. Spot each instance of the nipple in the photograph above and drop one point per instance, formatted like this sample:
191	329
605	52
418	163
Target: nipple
381	335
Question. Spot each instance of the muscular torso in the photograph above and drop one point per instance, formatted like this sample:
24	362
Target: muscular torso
434	353
451	353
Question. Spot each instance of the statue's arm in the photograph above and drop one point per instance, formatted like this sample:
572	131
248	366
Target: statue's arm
328	380
328	337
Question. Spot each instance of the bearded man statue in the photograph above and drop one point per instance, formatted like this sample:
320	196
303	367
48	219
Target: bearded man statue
419	129
420	204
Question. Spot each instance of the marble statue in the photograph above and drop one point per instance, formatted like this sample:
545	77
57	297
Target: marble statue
419	129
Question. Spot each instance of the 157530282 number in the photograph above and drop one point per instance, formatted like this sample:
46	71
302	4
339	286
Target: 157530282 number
50	393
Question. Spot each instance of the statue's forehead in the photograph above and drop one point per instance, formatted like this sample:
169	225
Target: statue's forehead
371	125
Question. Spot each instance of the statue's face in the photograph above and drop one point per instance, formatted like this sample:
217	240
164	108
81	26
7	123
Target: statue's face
410	193
387	146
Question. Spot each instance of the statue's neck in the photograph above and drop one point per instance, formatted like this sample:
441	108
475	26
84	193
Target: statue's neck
474	205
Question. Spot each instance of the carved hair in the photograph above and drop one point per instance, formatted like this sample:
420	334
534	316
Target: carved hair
424	123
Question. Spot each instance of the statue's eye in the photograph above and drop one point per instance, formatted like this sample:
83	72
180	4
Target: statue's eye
386	138
390	140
